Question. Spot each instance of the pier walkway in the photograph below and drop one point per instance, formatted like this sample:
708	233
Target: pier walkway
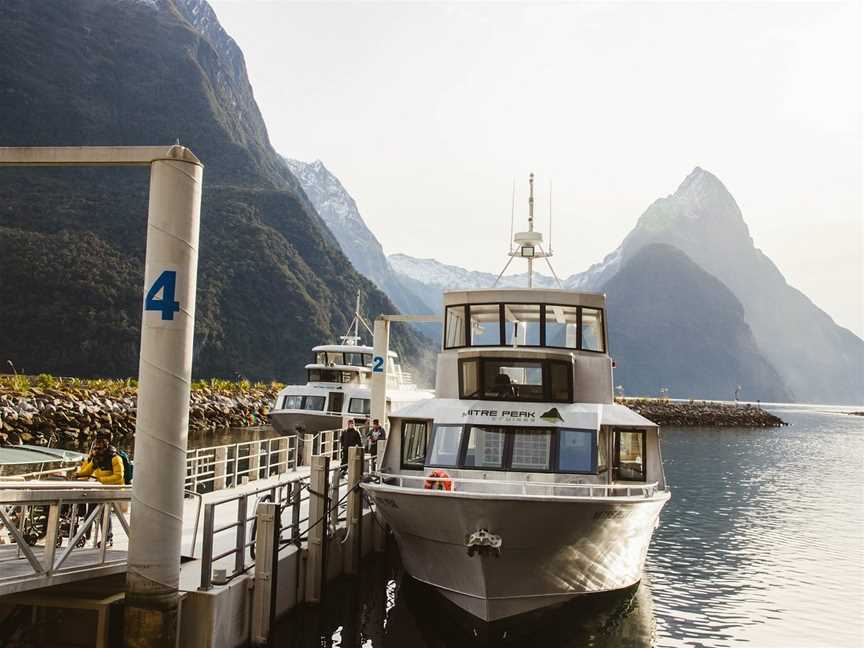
51	531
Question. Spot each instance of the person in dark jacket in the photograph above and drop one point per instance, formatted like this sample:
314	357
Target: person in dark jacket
349	437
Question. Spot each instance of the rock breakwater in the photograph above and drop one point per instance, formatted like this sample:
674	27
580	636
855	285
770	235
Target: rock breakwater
69	412
666	412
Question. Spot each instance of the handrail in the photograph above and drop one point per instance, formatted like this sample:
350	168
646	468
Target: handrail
48	513
217	467
646	490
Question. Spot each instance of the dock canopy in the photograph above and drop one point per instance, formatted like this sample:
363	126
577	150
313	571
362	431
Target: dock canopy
31	454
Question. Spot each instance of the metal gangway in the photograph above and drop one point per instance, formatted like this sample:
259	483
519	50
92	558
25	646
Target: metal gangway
53	531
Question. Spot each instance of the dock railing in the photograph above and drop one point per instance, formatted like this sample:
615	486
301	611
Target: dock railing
51	525
517	487
225	466
294	523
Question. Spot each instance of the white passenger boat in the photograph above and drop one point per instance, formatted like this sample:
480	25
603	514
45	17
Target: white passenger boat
522	484
338	386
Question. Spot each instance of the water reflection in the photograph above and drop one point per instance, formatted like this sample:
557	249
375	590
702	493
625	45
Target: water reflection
384	608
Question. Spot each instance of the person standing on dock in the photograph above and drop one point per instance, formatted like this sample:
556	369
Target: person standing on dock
349	437
376	434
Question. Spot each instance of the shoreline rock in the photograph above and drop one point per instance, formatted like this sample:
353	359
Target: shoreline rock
68	413
666	412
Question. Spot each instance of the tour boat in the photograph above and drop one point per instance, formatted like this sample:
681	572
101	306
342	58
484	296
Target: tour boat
338	386
522	484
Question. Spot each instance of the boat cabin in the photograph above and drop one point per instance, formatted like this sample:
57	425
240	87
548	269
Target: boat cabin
524	392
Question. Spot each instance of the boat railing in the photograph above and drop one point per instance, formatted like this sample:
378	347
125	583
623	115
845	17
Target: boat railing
225	466
518	487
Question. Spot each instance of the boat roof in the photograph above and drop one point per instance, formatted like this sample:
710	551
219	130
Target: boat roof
32	454
525	296
349	348
585	416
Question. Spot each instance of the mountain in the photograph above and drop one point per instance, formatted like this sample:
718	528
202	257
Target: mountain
272	282
673	325
818	360
429	278
339	211
815	359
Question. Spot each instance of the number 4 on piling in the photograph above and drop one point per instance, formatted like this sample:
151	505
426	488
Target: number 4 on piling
166	283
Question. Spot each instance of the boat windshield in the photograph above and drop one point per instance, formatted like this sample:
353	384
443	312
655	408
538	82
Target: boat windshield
524	325
350	358
331	375
510	448
303	402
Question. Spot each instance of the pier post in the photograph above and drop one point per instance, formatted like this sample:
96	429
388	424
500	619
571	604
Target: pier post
320	467
165	371
381	346
220	463
354	511
164	374
266	564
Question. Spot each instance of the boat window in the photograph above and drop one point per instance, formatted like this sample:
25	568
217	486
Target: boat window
591	331
367	359
320	357
630	454
454	327
485	448
512	380
560	325
354	359
358	406
522	324
292	402
603	451
331	375
313	403
470	387
485	324
560	381
413	444
445	445
576	451
531	449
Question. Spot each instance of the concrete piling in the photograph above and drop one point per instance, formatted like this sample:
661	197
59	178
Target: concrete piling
320	470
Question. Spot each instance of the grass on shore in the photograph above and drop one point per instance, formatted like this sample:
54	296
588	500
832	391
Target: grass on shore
21	384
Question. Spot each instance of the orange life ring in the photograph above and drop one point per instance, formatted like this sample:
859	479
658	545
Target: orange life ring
438	480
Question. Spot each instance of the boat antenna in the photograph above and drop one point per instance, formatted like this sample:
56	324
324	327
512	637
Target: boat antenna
529	245
512	213
550	217
354	338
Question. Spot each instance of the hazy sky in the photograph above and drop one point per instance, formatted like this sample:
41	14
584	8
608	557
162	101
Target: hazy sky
427	112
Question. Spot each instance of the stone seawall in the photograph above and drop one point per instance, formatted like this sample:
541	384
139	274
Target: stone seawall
69	412
666	412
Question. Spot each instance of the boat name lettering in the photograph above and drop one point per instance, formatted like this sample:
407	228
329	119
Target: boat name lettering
505	413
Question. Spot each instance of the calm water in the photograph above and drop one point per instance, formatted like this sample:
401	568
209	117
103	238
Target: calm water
761	544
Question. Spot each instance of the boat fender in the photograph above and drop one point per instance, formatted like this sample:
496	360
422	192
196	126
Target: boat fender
484	543
438	480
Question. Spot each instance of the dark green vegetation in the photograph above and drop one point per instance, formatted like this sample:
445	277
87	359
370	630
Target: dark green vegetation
660	305
272	280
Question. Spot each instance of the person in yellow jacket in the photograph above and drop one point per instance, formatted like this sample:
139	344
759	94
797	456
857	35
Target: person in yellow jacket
105	465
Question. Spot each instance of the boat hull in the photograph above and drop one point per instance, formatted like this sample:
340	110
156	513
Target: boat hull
552	549
285	422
